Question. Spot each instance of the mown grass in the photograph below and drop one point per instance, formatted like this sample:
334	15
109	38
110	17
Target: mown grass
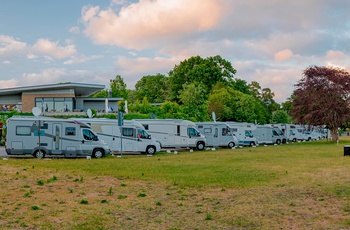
299	186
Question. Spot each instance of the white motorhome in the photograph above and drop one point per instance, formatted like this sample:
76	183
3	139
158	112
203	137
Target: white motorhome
291	132
280	133
243	132
130	137
267	135
217	134
174	133
39	136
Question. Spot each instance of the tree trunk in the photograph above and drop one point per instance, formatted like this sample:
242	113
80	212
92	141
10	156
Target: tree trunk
335	136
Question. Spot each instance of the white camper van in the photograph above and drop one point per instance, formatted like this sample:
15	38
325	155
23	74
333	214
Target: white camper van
291	132
217	134
39	136
134	137
280	133
266	135
243	132
174	133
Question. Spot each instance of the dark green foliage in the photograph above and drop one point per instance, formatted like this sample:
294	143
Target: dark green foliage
207	71
280	116
154	87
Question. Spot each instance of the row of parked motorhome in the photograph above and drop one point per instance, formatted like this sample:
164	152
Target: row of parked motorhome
97	137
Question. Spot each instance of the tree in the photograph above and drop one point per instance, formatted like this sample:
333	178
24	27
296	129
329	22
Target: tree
207	71
322	98
154	87
280	116
232	105
118	87
241	85
194	101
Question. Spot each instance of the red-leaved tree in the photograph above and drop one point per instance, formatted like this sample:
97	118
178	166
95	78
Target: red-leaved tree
322	98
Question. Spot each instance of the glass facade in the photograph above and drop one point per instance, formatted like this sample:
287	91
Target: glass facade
58	104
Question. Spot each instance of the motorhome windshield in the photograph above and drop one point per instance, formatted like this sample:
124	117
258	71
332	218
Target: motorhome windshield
248	133
226	131
279	132
141	133
192	132
89	135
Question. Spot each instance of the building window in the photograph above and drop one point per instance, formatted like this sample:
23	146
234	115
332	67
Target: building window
56	104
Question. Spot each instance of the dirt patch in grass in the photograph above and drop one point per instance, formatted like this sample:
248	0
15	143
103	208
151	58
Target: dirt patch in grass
32	199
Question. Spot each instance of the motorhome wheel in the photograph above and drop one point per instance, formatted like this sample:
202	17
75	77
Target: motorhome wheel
200	145
150	150
294	140
39	154
278	141
231	144
98	153
252	143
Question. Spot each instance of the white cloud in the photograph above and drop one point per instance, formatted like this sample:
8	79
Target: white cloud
74	30
8	83
52	49
283	55
150	23
81	59
45	77
10	45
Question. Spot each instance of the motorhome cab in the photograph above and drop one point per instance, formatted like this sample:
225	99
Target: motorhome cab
217	134
131	137
243	131
174	133
39	136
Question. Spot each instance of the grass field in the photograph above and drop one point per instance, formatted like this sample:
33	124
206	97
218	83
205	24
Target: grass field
292	186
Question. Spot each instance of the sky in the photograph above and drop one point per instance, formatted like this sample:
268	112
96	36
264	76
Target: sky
92	41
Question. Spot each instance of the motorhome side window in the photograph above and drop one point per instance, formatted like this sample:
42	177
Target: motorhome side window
23	130
207	130
235	130
193	132
88	135
127	132
70	131
146	127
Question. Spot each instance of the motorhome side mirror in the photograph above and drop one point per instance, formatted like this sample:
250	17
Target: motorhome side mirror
149	137
95	138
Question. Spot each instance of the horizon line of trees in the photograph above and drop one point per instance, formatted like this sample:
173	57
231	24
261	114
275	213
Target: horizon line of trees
194	89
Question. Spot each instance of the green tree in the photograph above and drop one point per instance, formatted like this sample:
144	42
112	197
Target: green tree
280	117
118	87
207	71
194	101
232	105
154	87
241	85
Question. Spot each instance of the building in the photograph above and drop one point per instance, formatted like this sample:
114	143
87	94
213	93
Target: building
61	97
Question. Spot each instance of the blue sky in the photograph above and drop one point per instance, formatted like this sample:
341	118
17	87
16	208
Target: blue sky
91	41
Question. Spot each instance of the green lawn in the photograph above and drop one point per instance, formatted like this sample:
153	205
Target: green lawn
298	185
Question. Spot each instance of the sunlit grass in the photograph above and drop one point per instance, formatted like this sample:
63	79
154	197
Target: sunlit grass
297	185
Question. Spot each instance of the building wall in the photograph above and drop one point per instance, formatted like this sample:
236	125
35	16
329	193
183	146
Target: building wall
28	100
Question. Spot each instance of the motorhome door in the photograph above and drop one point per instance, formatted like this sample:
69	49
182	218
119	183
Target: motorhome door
56	138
